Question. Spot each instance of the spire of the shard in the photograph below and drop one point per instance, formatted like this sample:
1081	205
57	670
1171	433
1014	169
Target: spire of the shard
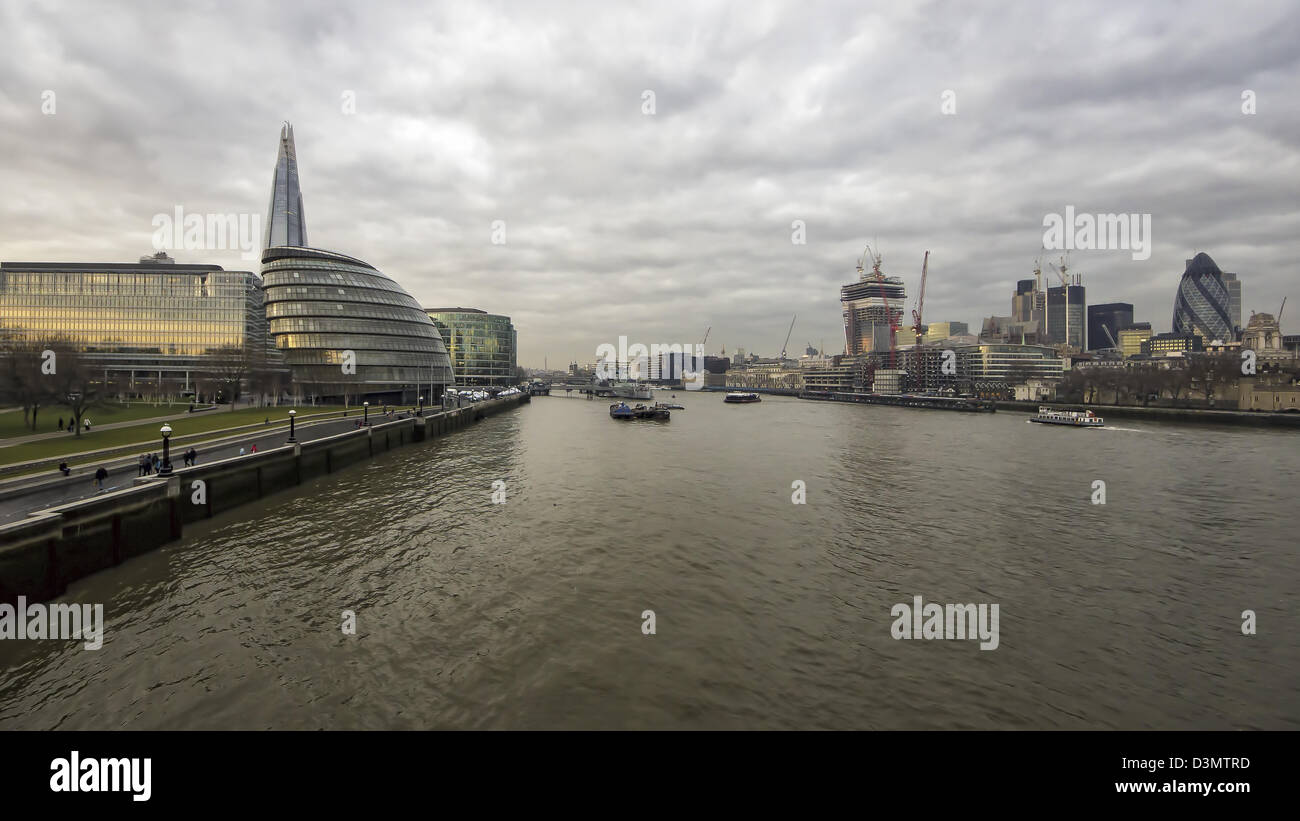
285	223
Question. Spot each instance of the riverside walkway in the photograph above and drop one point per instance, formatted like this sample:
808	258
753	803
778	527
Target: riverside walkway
31	494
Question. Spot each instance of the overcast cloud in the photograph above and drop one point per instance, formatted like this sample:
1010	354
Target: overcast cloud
658	225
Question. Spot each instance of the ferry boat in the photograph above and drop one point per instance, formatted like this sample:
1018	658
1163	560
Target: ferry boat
1077	419
670	406
620	410
736	397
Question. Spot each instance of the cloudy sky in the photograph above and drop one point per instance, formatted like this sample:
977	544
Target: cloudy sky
657	221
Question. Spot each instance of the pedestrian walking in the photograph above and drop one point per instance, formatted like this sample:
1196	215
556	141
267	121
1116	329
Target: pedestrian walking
254	448
60	423
153	462
100	476
64	469
241	451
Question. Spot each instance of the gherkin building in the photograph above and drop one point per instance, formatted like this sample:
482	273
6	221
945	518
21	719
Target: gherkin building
1203	304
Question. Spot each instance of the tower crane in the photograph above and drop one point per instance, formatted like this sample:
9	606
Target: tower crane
920	301
787	335
706	336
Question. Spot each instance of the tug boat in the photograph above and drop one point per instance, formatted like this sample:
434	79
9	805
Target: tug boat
736	397
620	410
656	412
1075	419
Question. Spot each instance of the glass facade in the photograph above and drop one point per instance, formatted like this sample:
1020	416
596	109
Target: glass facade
347	331
141	322
1008	362
481	345
1203	304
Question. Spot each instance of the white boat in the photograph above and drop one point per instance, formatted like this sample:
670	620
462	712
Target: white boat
736	397
631	390
1076	419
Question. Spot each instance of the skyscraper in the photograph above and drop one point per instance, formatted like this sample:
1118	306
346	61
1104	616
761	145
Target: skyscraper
1105	322
1057	323
285	222
1234	301
1203	303
868	306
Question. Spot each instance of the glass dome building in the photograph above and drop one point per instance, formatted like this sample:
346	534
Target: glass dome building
348	332
1203	305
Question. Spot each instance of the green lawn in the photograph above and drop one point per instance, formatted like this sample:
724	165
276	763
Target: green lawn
146	434
47	421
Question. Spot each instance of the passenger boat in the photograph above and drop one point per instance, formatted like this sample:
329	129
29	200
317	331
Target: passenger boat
620	410
1076	419
670	406
736	397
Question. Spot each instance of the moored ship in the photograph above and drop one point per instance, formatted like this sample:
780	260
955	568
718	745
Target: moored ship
1074	419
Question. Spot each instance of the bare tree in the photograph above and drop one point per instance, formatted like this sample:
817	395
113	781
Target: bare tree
230	366
24	384
1210	371
73	382
1147	380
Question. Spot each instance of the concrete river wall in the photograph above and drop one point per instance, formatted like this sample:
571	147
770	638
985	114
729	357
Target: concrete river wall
42	554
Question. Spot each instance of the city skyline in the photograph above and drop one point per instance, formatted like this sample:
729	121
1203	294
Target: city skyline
658	225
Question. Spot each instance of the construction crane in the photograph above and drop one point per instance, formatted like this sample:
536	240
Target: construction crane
706	336
1106	328
787	335
1279	312
920	301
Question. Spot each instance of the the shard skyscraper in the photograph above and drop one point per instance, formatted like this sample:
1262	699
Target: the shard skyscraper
285	223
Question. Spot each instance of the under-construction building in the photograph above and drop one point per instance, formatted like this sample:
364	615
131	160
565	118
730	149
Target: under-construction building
870	305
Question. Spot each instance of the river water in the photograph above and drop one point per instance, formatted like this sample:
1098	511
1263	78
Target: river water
767	614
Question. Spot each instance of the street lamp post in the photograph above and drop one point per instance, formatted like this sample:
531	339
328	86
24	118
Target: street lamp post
421	411
365	413
292	414
166	469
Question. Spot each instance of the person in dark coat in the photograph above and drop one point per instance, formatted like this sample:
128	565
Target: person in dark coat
100	476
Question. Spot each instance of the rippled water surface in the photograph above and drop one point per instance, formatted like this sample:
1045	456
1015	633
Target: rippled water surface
768	614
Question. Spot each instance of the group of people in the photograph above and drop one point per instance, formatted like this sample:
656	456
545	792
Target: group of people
149	464
72	424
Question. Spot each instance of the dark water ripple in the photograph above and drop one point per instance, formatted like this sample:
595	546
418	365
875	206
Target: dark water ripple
769	614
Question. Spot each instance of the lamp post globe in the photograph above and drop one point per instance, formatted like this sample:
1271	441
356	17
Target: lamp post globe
292	414
365	413
421	406
166	468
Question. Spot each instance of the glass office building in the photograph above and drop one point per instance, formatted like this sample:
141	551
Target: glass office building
152	327
481	345
348	332
1203	304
